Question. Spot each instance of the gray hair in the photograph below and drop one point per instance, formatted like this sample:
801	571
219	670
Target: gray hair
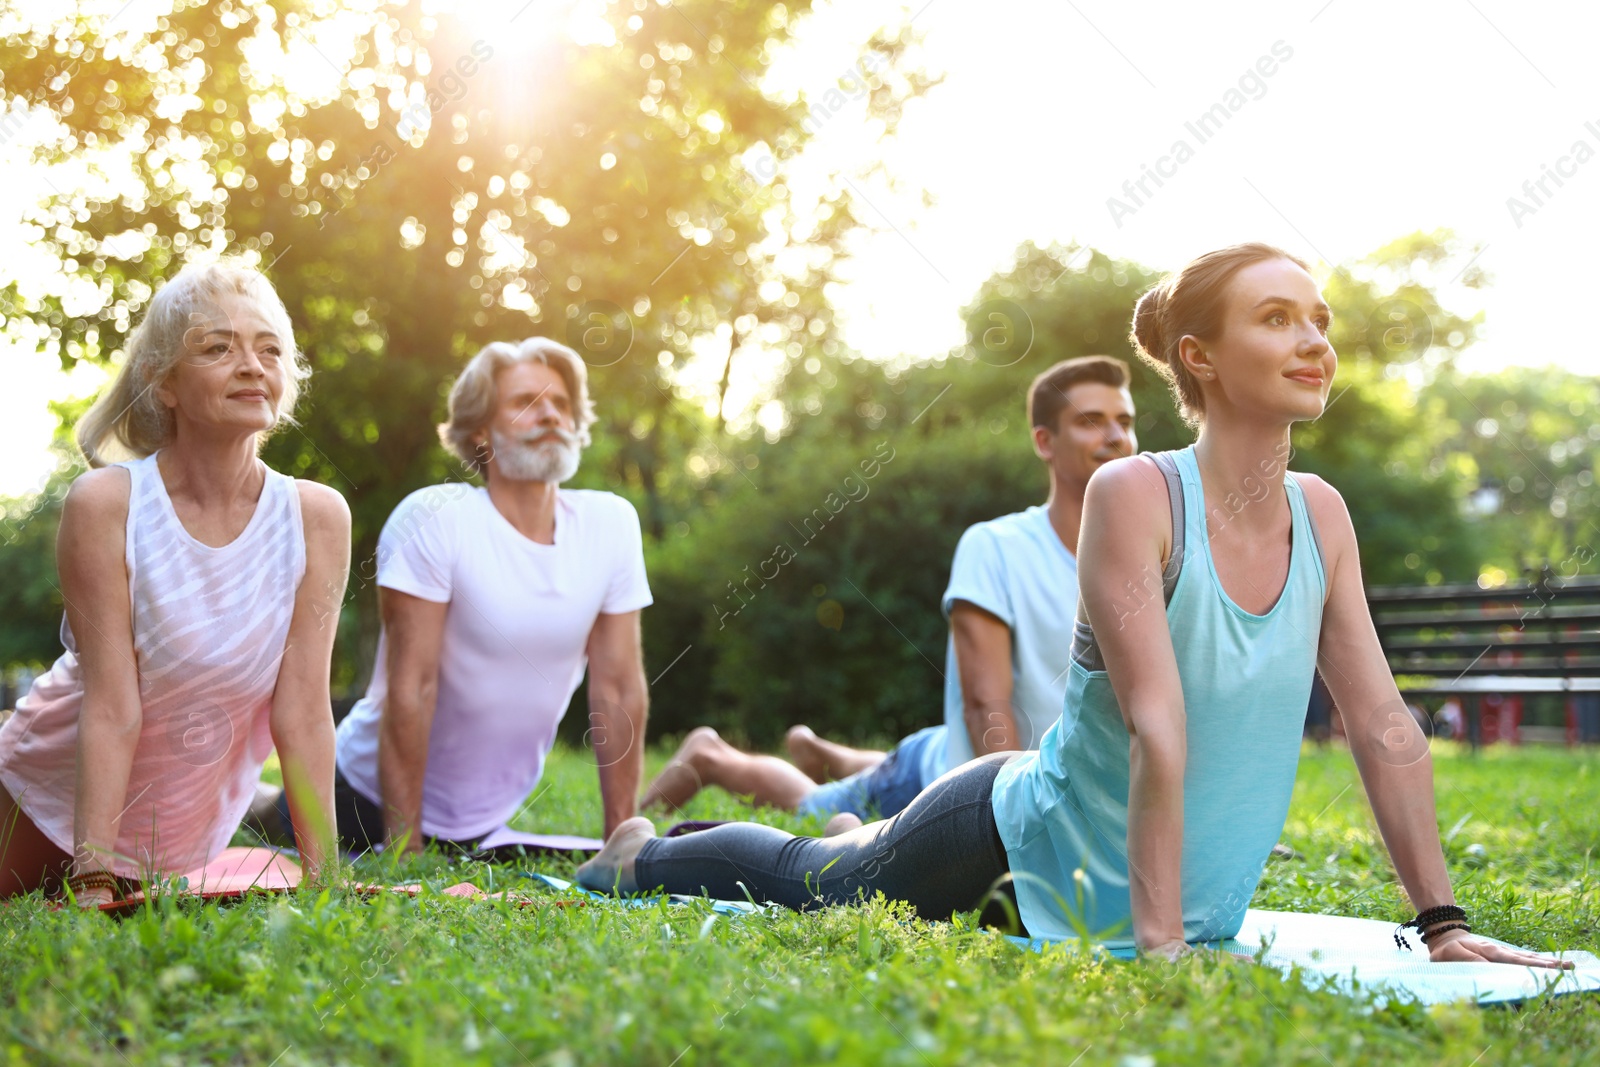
128	420
473	398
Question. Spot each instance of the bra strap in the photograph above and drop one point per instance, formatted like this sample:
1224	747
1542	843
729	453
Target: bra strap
1169	574
1085	649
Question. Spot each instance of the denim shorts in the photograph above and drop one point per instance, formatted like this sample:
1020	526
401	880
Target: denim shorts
879	792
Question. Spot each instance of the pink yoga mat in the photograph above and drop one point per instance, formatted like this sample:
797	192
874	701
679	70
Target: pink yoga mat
238	871
233	873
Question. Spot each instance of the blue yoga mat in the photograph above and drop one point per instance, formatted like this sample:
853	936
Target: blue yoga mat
721	907
1360	954
1354	955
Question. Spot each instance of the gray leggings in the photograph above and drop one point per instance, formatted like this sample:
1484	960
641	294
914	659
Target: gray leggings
942	854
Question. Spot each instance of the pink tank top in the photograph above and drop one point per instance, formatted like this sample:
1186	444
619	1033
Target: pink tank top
209	627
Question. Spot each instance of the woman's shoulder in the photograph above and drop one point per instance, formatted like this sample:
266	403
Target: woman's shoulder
102	493
322	506
1132	483
1323	502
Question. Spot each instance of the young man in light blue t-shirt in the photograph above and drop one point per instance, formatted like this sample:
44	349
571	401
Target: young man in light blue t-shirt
1011	602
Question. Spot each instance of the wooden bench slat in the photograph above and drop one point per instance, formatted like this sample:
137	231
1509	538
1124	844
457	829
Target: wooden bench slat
1587	641
1522	671
1504	685
1585	587
1578	615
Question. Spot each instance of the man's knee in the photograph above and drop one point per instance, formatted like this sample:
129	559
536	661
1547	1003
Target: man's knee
702	748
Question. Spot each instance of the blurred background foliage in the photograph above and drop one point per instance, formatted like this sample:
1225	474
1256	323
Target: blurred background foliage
619	196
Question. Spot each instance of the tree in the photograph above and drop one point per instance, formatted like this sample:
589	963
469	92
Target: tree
1380	434
1528	439
455	186
30	600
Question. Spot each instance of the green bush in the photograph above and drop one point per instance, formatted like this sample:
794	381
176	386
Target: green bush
816	598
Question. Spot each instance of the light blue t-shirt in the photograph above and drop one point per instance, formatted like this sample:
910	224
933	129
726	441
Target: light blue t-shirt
1063	811
1015	568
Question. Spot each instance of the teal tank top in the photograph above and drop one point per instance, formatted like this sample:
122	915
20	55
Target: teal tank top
1246	683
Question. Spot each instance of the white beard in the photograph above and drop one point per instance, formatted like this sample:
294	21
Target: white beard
553	459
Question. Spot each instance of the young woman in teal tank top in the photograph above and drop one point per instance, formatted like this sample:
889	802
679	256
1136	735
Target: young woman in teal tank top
1213	584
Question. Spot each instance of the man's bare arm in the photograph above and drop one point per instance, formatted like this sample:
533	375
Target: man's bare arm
413	631
618	710
983	657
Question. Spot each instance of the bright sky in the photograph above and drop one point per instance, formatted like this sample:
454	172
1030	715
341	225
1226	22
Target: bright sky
1377	119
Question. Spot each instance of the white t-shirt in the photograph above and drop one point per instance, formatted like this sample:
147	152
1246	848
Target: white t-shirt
514	642
1016	568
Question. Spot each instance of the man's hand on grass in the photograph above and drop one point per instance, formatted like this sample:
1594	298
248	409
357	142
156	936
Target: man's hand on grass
1458	946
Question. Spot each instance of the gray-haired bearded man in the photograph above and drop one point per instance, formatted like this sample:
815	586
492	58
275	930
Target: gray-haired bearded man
494	600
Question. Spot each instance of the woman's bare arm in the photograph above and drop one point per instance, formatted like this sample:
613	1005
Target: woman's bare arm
302	709
1126	536
1390	750
91	549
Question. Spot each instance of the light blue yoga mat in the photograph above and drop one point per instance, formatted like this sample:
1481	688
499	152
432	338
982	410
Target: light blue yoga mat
1360	955
1355	955
721	907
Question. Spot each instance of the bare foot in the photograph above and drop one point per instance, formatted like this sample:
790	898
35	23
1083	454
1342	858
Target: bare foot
806	753
825	761
684	774
611	870
841	823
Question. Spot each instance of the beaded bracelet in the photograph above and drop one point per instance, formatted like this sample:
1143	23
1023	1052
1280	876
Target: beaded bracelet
87	880
1436	931
1442	913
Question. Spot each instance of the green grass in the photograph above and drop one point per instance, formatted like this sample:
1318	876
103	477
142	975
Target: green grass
327	978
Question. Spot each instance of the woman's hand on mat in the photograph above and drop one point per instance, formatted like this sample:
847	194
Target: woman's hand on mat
1173	949
1458	946
1176	949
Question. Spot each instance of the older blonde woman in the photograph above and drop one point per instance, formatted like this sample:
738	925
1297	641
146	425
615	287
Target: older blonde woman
200	588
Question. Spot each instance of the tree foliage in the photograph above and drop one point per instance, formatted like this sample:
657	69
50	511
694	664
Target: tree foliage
459	184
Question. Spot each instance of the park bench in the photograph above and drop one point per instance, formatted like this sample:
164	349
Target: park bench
1537	637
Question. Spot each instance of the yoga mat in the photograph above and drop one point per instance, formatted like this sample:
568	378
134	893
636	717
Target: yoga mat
239	871
506	844
1360	954
235	872
1355	955
721	907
